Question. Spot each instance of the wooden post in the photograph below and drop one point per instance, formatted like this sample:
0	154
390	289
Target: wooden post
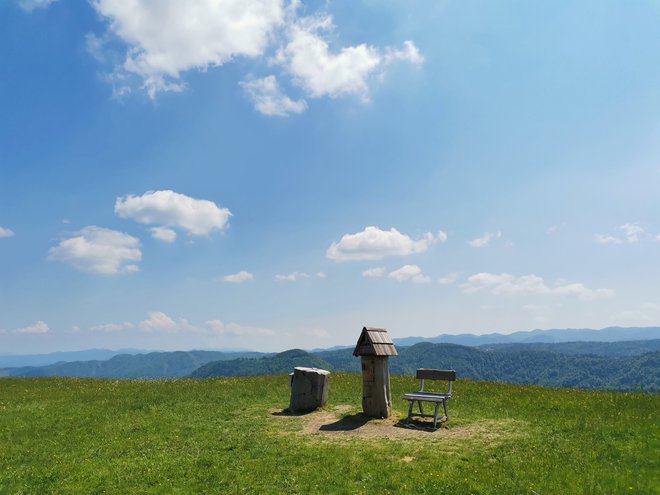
376	395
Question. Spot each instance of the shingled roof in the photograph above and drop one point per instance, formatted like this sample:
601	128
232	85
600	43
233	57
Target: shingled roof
375	342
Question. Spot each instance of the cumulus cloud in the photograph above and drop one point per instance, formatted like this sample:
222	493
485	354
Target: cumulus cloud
165	39
168	37
30	5
411	273
37	327
172	209
163	234
238	278
99	250
374	272
484	240
322	71
291	277
158	321
4	232
236	330
375	244
508	285
269	99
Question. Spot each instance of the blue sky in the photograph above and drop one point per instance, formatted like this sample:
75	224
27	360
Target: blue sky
267	174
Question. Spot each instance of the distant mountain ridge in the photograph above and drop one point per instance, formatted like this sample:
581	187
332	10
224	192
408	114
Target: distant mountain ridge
152	365
609	334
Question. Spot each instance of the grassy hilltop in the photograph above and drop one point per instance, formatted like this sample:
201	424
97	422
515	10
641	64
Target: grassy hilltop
225	436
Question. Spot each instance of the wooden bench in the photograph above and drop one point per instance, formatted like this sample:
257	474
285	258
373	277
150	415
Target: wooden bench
437	398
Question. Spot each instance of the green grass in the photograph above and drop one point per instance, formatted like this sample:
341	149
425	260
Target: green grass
218	436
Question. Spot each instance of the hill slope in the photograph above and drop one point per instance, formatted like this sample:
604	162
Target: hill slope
226	436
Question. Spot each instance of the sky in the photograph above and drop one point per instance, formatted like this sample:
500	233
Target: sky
270	174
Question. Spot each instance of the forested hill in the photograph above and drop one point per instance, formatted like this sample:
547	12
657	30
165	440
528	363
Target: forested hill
284	362
587	371
151	365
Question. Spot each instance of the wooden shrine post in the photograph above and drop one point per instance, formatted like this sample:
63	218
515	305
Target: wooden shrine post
374	347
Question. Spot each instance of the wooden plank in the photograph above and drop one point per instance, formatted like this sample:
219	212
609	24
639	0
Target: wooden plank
426	398
429	374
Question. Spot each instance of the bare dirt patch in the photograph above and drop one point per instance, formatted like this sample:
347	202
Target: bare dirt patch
337	423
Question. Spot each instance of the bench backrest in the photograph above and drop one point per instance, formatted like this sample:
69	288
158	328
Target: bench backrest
429	374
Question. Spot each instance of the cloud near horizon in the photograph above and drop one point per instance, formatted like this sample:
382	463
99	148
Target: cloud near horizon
509	285
375	244
39	327
412	273
238	278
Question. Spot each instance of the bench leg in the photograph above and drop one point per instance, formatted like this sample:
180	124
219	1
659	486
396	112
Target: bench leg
412	403
435	415
444	404
421	409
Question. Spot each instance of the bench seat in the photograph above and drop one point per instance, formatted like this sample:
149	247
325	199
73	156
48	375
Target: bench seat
422	396
427	397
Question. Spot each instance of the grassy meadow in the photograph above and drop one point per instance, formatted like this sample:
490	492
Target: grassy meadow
226	436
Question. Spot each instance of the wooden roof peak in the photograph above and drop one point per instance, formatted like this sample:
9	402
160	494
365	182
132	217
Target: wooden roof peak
374	342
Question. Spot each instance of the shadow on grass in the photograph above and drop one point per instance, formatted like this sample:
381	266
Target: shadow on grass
347	423
419	425
286	412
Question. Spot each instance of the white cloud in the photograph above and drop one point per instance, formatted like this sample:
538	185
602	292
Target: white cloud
172	209
321	275
168	37
375	244
506	284
238	278
6	232
30	5
158	321
484	240
449	278
582	292
163	234
651	306
632	234
321	71
269	99
98	250
409	53
606	239
374	272
411	273
236	330
292	277
112	327
164	39
632	231
38	327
